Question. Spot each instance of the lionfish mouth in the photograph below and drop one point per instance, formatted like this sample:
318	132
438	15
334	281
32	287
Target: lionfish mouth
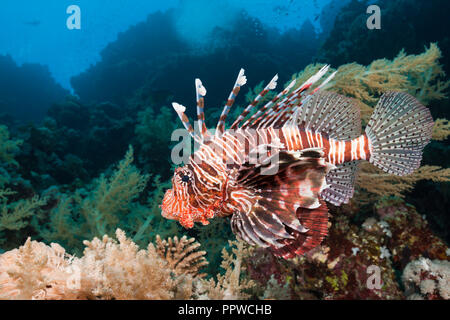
183	212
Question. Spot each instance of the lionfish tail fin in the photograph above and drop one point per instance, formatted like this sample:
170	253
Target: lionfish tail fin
399	129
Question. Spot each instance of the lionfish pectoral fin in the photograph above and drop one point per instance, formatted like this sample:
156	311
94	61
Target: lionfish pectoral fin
316	220
340	183
282	200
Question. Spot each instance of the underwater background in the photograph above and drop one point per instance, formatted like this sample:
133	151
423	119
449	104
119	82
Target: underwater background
85	146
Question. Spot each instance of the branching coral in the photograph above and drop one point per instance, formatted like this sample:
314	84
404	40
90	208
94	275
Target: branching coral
182	255
231	285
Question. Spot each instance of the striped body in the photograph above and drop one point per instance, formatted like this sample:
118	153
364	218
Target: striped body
234	146
213	192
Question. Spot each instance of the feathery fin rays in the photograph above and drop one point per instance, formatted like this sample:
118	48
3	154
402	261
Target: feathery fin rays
269	104
271	113
276	113
270	86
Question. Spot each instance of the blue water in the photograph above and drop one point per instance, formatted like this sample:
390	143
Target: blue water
36	31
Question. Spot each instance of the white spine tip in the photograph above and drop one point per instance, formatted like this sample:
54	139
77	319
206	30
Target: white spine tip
242	79
330	77
289	87
318	75
273	83
178	107
201	90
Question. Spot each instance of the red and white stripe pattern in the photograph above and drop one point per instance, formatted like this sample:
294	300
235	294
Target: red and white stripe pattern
339	152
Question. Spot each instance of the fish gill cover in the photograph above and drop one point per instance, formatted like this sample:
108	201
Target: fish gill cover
87	180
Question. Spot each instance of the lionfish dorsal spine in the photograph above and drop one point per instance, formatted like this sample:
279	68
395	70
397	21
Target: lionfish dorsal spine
180	110
240	81
283	111
200	91
270	86
271	114
269	104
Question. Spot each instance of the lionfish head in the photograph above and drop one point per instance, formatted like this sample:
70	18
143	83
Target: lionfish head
180	203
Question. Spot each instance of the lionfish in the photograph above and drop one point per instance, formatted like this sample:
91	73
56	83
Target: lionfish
312	138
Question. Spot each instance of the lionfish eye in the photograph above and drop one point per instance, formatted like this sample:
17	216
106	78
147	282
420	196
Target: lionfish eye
185	178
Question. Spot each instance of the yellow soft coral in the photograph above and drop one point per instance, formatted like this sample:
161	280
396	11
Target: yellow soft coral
374	183
441	129
14	216
109	202
421	75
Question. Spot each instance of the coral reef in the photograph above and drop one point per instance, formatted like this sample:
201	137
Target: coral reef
107	270
65	180
107	205
35	271
409	236
111	269
341	267
427	279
